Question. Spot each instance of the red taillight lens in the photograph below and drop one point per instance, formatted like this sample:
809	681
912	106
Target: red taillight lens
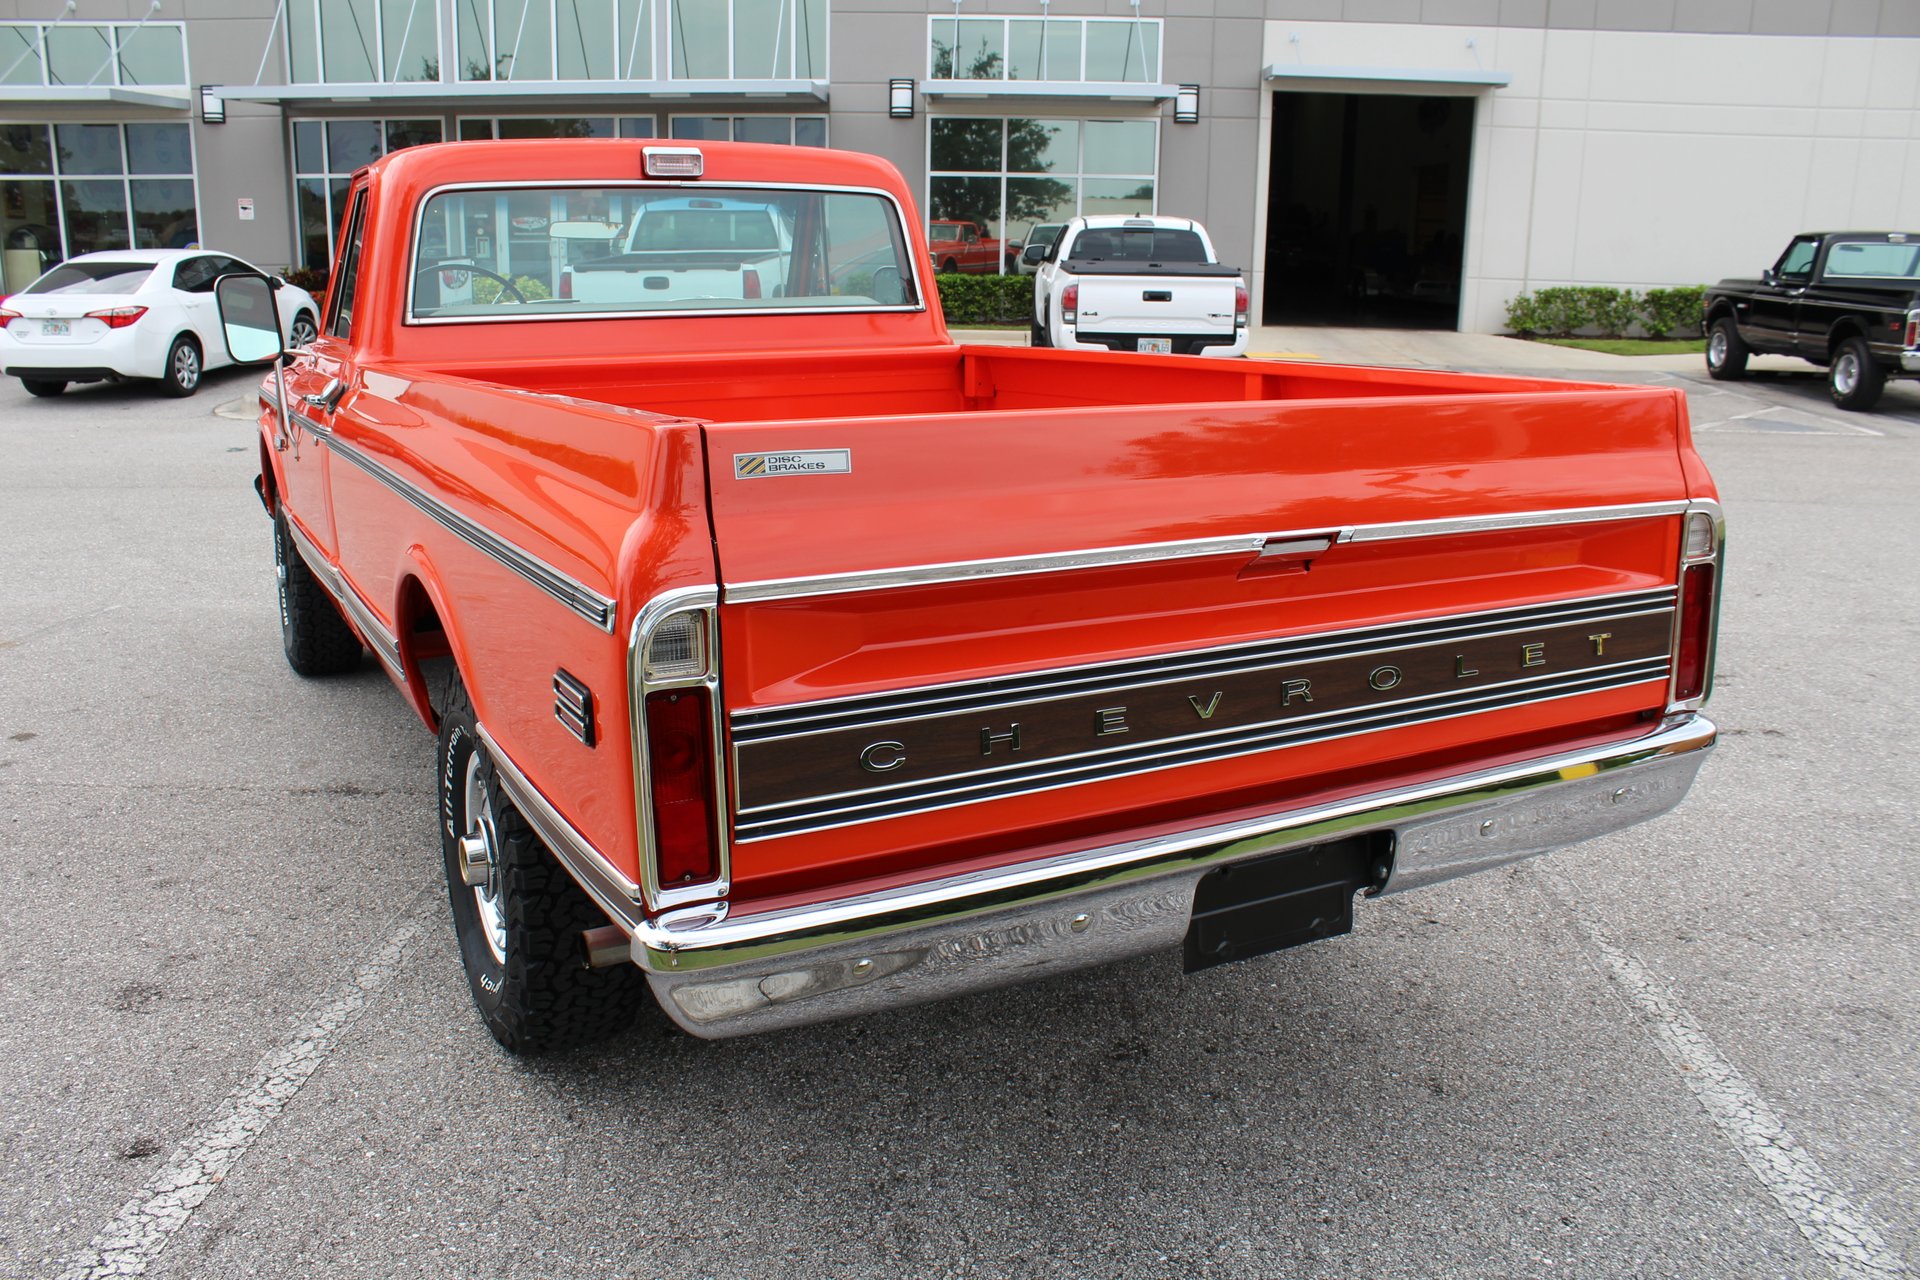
117	317
1240	304
6	315
680	780
1913	327
1695	658
1070	303
566	284
750	284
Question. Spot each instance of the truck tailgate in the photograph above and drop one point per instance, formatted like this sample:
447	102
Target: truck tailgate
960	637
1156	304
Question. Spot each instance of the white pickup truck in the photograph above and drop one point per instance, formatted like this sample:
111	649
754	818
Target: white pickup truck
1137	284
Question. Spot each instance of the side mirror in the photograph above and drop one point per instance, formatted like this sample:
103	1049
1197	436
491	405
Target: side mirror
248	318
1034	254
1767	276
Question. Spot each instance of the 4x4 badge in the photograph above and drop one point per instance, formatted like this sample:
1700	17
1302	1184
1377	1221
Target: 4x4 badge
807	462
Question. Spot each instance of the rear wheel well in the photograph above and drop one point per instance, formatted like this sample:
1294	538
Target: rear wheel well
426	653
1841	331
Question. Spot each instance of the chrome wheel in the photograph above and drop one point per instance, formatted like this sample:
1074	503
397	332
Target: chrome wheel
480	847
302	331
1846	373
186	367
1717	348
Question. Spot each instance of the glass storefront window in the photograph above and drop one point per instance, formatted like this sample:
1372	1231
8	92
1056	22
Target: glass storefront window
325	154
1070	50
985	170
93	54
748	40
804	131
152	56
557	39
75	188
362	41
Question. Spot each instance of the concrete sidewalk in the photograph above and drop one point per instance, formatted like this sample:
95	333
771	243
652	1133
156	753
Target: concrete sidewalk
1433	349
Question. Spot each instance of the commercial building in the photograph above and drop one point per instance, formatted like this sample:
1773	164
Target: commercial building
1374	161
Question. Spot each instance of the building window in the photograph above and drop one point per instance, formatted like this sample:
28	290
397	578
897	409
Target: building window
362	41
748	39
555	39
802	131
100	54
1063	50
1010	174
68	189
325	155
482	128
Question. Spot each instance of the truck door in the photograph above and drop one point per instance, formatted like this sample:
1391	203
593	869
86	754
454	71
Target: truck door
1776	303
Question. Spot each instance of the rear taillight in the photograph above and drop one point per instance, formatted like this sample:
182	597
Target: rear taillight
1913	327
750	284
1699	608
1070	303
566	284
117	317
1240	307
6	315
680	783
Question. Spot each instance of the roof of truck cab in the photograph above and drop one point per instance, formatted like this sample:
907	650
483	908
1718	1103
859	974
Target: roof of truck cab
589	161
1159	222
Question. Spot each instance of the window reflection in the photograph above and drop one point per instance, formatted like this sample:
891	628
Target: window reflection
325	154
1123	50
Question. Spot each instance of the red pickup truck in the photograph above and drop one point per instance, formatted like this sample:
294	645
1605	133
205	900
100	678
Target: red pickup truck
791	661
964	247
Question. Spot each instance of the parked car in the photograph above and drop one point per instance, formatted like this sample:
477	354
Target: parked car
963	246
1042	234
1849	300
141	313
1137	284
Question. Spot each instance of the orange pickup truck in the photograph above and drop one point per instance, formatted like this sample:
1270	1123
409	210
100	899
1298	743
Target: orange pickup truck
789	661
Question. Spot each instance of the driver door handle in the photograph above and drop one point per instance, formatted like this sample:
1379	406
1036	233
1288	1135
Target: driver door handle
328	398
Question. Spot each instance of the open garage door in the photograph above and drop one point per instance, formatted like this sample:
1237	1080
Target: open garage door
1367	209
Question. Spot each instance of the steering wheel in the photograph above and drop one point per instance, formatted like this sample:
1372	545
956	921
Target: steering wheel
454	264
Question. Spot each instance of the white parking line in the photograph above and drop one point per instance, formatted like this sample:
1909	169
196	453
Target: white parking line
1838	1231
134	1240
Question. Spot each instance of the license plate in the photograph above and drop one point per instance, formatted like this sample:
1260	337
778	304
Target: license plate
1155	346
53	328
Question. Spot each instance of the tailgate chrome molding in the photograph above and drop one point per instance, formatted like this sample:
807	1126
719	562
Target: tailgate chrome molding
1249	544
751	973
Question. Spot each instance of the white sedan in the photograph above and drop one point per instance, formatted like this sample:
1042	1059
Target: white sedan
139	313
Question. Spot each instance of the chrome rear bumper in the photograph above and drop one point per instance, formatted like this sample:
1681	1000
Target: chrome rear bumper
746	974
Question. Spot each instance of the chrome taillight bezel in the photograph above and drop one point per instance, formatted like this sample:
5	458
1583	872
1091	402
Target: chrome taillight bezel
1696	560
698	607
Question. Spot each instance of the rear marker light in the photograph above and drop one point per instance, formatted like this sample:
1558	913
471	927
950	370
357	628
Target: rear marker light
680	783
1700	539
117	317
674	162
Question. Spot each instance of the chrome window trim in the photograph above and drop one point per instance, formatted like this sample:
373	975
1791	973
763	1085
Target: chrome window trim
617	895
407	317
580	598
1251	544
1717	558
382	641
703	600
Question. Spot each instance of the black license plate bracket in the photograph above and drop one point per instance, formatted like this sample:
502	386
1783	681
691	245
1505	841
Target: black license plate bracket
1266	904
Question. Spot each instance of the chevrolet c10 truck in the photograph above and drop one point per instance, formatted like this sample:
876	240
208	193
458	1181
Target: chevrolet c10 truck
789	661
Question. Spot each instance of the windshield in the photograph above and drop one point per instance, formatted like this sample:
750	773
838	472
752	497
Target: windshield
1879	259
93	277
511	253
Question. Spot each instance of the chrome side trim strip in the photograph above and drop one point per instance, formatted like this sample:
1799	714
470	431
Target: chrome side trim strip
618	896
867	919
996	691
1248	544
382	641
1068	771
583	600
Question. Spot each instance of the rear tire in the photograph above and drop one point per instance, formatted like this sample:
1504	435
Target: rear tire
42	386
317	639
1726	352
520	933
183	370
1855	379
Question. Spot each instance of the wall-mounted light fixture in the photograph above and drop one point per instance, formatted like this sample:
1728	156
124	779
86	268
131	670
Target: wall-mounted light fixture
1186	104
213	108
900	99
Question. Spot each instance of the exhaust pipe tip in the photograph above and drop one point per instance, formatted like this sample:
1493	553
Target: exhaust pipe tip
605	947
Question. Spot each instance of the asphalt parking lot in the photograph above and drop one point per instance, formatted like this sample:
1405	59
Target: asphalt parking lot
236	1039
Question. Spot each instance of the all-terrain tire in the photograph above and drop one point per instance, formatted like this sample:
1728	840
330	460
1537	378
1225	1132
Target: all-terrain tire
1855	379
1726	351
529	981
317	639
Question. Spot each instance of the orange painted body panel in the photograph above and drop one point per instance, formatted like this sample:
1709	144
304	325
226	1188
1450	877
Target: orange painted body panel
603	447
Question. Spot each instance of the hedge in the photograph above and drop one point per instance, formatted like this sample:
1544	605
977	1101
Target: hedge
983	299
1560	312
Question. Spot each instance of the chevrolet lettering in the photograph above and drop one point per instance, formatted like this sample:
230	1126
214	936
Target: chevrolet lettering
1096	653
